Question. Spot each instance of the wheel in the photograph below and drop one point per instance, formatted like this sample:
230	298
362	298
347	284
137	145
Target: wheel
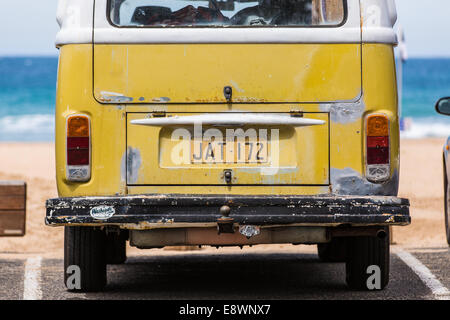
116	248
368	262
84	251
334	251
447	205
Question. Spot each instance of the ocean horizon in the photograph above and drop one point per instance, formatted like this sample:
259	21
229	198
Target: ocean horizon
28	94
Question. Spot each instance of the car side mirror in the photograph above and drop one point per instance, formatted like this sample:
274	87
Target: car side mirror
443	106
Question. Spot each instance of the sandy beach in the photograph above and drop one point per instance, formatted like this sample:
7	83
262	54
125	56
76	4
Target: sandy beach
420	181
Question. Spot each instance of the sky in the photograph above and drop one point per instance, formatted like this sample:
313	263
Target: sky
28	27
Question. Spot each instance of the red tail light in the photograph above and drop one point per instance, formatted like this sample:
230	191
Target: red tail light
377	148
78	151
78	148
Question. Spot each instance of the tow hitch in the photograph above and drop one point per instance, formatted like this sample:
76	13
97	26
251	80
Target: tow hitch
225	224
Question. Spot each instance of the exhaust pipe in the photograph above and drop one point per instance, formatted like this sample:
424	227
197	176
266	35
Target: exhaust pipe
381	234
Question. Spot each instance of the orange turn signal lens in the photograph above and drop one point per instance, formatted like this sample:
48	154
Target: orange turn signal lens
78	126
377	126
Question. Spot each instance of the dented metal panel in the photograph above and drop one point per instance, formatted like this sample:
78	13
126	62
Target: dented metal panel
198	73
350	182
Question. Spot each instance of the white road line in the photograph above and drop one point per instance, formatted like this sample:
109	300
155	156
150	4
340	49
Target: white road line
31	283
438	289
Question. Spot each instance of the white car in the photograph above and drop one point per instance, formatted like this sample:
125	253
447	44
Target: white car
443	107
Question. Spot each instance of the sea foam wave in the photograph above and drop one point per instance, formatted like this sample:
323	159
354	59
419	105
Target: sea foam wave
431	127
35	127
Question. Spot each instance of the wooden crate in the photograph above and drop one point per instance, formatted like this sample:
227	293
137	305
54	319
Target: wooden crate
13	198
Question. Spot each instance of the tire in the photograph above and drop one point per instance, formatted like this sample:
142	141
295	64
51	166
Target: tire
447	205
362	253
85	247
116	248
334	251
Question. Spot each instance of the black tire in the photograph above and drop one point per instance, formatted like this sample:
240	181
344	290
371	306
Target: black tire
116	248
334	251
364	252
447	205
85	247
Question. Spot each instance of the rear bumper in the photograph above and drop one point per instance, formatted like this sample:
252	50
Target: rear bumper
165	211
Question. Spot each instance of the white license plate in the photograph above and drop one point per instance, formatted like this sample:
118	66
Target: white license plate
231	152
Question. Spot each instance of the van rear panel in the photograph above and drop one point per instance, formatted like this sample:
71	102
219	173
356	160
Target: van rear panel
198	73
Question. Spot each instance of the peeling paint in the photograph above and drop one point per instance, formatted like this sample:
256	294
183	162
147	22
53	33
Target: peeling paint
350	182
344	113
114	97
134	162
123	168
161	99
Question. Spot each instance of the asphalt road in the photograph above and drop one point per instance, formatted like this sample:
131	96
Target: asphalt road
206	275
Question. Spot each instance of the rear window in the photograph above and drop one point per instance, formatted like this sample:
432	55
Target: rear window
215	13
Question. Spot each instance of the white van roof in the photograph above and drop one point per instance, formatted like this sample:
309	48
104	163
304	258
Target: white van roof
75	18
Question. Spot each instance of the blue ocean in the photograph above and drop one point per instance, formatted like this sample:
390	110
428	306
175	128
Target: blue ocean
28	88
27	98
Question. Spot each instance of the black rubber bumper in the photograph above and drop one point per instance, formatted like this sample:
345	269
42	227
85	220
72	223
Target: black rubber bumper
246	210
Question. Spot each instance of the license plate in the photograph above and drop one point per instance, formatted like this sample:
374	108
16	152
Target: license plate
229	152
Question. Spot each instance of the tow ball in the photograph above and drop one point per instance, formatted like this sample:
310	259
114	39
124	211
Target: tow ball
225	224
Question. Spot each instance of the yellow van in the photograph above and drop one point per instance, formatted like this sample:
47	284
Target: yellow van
227	123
